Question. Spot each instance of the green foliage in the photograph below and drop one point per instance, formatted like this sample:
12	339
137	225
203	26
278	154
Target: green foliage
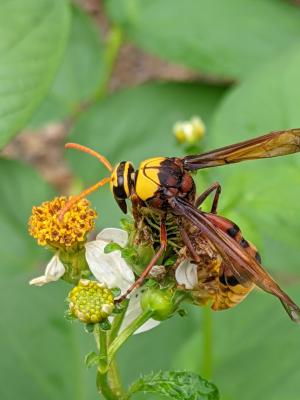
253	342
228	38
31	47
80	72
176	385
255	42
21	188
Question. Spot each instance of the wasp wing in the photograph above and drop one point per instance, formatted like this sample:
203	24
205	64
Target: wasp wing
243	266
273	144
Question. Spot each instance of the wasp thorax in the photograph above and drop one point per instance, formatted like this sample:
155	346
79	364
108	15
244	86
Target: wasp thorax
122	181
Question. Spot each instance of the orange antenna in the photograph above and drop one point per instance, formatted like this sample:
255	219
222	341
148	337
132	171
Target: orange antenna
80	196
93	153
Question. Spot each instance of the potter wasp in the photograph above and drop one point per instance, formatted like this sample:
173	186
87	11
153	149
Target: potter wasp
166	184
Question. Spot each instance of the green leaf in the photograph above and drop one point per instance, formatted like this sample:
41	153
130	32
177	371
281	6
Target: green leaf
264	193
132	125
33	37
91	359
79	75
176	385
21	188
223	38
112	247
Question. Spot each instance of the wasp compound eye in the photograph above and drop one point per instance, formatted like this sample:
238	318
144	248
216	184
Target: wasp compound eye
122	183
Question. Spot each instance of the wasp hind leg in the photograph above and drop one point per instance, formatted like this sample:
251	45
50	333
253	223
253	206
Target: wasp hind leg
156	257
203	196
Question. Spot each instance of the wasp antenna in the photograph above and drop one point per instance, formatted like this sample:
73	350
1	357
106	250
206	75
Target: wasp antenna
93	153
83	194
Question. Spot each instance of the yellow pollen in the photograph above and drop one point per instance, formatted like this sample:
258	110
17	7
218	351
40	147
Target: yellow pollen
46	226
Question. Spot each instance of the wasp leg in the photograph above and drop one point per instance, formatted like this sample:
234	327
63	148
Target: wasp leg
136	203
187	242
156	257
214	187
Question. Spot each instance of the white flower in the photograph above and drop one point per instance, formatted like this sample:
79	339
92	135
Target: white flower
186	274
110	268
54	271
113	270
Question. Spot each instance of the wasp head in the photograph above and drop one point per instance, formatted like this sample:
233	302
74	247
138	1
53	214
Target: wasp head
122	182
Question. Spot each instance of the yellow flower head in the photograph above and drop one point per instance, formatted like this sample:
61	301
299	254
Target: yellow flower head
90	301
49	228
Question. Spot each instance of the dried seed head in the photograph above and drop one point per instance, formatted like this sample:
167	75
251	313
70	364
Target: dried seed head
89	302
46	226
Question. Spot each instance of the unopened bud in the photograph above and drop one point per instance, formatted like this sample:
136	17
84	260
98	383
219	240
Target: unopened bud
90	302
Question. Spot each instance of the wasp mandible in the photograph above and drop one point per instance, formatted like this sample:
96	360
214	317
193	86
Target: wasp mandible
166	184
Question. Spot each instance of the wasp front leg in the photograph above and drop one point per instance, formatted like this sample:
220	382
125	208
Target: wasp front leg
203	196
154	260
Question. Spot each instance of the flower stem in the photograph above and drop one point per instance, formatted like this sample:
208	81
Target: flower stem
102	374
117	322
207	342
113	372
126	333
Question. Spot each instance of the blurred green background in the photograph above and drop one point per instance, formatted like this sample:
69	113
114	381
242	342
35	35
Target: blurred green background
116	75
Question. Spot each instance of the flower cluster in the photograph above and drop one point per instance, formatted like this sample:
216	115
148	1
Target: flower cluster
90	301
47	226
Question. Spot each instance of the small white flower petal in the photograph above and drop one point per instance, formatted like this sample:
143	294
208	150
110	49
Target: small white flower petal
186	274
115	235
133	311
55	269
38	281
109	268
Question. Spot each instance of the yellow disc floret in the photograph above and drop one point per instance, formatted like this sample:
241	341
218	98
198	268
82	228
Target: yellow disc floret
90	301
49	228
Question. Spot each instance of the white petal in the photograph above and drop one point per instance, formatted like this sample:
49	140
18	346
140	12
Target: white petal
55	269
186	274
39	281
109	268
133	311
115	235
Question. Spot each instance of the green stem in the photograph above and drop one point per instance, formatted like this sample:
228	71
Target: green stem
102	374
117	322
126	333
113	373
207	342
112	47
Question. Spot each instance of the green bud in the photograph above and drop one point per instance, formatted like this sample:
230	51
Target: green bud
160	302
90	302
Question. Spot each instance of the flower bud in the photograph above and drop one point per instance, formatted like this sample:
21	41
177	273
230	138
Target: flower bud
189	131
159	301
90	301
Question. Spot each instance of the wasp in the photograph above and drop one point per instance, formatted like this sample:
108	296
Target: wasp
165	184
